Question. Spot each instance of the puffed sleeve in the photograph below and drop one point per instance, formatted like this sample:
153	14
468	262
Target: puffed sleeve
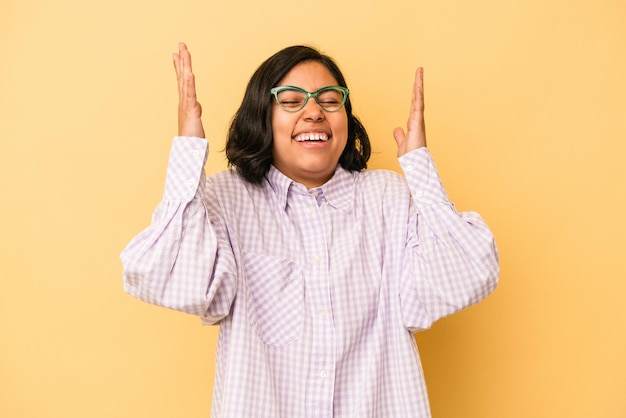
179	261
451	260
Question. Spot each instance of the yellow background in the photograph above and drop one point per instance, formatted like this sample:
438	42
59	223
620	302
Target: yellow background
526	118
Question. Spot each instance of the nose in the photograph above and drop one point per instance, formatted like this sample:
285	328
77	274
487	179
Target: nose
312	111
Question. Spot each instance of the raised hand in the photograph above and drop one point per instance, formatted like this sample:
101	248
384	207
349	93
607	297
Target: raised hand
415	136
189	109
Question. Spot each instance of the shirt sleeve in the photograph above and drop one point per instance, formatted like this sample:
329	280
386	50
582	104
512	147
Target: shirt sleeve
451	260
178	261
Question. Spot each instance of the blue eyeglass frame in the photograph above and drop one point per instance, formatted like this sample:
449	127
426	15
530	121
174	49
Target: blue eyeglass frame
274	91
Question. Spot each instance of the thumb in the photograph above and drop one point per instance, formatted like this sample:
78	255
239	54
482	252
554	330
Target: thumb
399	135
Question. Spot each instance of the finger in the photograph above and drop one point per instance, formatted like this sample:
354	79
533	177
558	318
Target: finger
399	136
189	87
417	101
176	62
419	90
187	75
416	124
190	90
183	63
186	58
178	66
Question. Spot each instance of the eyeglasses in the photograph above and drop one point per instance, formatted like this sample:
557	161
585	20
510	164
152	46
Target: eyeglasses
293	99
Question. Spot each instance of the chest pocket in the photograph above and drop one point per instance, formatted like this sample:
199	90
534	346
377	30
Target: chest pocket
275	297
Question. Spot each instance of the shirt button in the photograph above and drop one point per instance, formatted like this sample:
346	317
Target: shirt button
419	194
410	167
317	259
309	209
190	182
195	153
323	313
323	374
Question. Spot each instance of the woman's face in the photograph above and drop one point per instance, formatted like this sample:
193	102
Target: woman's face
308	143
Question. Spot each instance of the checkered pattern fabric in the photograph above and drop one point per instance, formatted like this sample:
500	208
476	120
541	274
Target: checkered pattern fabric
317	292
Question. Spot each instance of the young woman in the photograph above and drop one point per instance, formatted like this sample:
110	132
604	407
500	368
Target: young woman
317	271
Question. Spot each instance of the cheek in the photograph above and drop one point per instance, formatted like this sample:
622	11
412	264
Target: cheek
282	124
340	128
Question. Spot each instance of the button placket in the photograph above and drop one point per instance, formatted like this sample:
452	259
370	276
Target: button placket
309	217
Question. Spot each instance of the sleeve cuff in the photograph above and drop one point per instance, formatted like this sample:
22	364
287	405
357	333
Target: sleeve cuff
185	170
423	178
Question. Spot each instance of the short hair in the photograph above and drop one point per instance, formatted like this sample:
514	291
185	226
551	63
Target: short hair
250	137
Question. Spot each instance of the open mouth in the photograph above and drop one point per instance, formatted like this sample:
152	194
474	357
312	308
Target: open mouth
312	137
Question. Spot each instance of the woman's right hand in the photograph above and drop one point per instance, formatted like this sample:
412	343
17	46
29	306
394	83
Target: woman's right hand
189	109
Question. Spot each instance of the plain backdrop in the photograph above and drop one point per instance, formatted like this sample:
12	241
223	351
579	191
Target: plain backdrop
526	119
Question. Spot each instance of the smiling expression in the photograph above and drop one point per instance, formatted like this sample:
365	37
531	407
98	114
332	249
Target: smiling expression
307	144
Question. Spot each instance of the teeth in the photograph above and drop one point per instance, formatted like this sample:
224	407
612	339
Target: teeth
317	136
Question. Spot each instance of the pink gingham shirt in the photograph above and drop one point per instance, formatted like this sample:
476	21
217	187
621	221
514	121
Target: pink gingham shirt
317	292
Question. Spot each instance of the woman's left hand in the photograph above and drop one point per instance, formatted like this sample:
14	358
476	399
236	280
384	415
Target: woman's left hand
415	136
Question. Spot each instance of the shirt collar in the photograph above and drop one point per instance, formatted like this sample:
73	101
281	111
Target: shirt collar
338	191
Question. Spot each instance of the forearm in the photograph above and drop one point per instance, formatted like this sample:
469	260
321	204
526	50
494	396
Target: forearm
171	263
453	257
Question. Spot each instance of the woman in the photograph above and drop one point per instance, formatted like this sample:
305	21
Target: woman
317	271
